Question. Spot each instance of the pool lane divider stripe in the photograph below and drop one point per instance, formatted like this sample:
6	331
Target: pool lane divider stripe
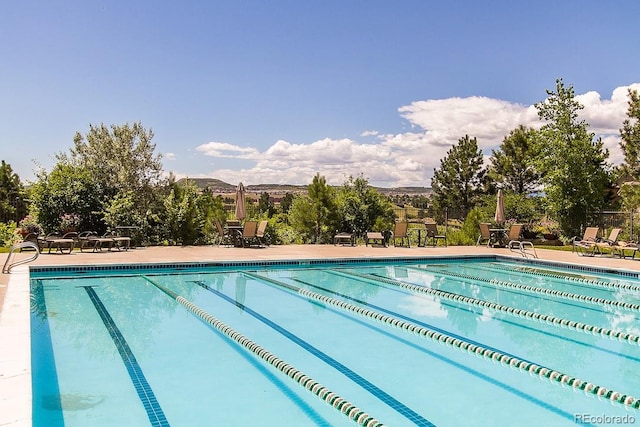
145	393
543	318
535	289
555	377
533	271
385	397
334	400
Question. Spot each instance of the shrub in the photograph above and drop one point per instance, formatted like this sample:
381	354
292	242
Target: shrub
7	234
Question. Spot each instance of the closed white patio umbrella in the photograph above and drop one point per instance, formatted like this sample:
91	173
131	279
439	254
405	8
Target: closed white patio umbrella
499	216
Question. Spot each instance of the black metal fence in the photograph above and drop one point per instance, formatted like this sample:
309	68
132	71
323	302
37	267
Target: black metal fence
628	221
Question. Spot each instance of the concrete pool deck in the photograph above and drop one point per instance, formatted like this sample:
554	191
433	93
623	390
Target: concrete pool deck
15	369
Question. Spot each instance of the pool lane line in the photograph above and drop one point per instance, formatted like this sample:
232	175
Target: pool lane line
559	280
469	309
481	351
284	287
334	400
535	289
525	314
596	309
534	271
145	393
386	398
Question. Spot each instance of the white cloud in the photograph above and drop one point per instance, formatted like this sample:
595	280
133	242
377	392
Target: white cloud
170	156
408	159
222	149
369	133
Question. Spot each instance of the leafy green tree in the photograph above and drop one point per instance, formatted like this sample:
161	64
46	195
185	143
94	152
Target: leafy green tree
265	205
67	189
457	184
513	164
121	159
183	221
12	195
362	208
315	215
285	203
572	163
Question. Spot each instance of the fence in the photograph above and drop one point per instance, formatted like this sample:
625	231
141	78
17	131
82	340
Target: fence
620	219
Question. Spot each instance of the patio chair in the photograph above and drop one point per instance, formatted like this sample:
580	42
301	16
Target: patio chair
485	234
260	233
609	243
224	236
122	243
432	233
33	238
344	238
249	231
375	237
587	244
62	244
400	231
91	240
621	248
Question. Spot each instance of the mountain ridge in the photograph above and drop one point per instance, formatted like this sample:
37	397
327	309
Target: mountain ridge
217	185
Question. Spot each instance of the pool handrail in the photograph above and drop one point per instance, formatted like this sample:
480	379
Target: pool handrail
22	245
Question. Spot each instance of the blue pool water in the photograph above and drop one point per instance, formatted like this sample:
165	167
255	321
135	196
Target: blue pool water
475	341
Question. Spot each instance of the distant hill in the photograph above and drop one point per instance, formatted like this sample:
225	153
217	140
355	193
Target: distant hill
217	186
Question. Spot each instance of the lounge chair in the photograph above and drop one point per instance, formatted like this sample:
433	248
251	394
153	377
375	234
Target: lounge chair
485	234
122	243
91	240
344	238
621	248
375	237
609	243
587	244
33	238
224	236
62	244
432	233
400	231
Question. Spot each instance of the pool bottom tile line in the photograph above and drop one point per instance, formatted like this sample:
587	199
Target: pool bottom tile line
334	400
143	389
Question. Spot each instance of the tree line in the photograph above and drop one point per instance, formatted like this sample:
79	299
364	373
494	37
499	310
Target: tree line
112	176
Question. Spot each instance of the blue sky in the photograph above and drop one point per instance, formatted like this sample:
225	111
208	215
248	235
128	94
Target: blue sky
275	92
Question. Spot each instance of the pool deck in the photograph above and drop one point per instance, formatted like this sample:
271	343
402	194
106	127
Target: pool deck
15	369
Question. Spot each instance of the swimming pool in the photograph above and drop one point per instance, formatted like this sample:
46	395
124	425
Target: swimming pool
473	341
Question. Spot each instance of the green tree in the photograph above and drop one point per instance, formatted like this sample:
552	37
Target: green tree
314	215
513	164
362	208
286	202
183	220
630	137
67	189
265	205
457	184
12	195
630	145
572	163
121	159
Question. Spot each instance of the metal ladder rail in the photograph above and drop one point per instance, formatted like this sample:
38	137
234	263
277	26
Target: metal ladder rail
521	248
22	245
